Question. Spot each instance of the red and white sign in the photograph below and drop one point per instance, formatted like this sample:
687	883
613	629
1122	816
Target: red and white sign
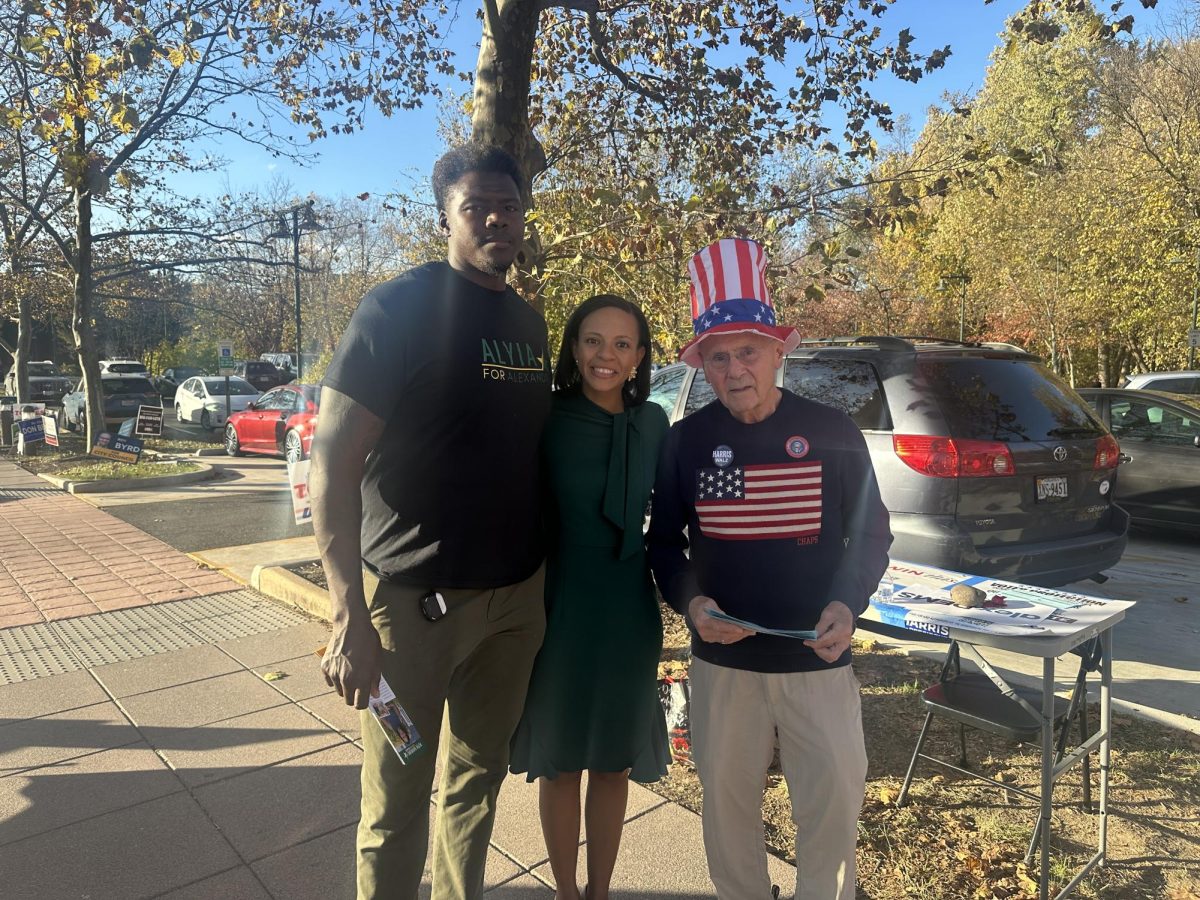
298	480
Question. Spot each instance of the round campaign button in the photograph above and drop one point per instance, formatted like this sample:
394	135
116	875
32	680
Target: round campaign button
723	456
796	447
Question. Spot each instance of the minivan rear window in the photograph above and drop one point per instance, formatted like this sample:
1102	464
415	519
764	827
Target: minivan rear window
846	384
1011	400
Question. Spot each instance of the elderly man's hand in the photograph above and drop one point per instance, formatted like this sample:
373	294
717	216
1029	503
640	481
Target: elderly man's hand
833	631
714	631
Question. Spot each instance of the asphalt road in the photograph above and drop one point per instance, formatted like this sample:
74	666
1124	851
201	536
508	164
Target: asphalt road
202	523
247	502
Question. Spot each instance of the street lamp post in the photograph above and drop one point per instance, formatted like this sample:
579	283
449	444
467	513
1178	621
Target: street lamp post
962	279
302	219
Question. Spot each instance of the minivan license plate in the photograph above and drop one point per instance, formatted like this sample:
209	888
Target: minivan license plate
1052	487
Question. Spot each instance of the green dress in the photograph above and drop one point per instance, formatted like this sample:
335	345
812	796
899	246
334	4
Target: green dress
593	697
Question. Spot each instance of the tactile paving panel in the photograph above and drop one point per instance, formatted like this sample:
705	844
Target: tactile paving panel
243	624
117	622
101	649
37	663
27	637
215	605
55	648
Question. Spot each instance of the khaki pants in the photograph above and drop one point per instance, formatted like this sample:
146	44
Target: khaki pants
474	663
735	716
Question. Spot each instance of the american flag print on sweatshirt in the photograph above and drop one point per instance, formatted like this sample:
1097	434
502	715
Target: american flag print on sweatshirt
755	503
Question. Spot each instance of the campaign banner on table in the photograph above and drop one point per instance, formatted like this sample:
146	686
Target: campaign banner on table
298	481
918	598
119	447
50	430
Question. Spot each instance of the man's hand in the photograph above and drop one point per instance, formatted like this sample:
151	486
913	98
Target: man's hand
833	631
714	631
352	662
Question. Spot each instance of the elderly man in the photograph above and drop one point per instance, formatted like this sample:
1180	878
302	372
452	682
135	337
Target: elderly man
784	530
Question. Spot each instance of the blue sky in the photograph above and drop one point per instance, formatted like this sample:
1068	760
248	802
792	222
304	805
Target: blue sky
391	154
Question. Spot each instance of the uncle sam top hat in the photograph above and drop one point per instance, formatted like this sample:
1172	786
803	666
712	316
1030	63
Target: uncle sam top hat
729	295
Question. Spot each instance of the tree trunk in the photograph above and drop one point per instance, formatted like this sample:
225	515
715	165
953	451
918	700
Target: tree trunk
82	328
500	113
20	353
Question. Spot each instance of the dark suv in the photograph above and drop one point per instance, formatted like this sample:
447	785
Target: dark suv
988	462
262	375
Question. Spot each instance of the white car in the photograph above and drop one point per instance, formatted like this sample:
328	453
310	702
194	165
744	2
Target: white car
1170	382
123	367
203	399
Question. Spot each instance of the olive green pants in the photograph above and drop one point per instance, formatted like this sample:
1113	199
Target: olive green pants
474	665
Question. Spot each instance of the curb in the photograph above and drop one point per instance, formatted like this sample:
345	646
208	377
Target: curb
210	451
114	485
288	587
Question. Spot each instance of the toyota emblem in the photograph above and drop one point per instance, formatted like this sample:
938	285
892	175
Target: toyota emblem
1060	453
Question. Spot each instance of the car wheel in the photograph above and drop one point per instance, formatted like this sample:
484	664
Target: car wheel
178	413
293	448
232	446
205	420
81	421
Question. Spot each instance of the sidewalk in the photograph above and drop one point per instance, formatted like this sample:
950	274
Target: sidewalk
144	754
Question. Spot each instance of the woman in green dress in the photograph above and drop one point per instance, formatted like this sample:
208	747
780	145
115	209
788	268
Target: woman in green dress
593	700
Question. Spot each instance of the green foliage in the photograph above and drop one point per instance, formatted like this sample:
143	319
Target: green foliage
1072	203
314	372
190	351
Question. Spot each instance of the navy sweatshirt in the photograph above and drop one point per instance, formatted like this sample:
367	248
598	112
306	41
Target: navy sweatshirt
782	516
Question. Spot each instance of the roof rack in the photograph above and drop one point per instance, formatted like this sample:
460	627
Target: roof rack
933	339
884	342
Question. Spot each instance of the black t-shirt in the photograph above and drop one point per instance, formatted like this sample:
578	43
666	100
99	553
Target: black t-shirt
460	376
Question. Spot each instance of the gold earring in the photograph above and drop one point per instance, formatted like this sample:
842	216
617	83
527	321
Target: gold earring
632	374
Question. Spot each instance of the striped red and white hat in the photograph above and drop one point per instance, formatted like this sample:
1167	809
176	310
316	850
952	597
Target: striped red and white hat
729	295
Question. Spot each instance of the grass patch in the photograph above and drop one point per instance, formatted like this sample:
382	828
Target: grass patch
105	470
71	455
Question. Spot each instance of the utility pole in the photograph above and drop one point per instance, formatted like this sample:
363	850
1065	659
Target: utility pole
1192	331
962	279
292	230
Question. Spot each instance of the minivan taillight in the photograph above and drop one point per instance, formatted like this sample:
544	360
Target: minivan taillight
944	457
1108	453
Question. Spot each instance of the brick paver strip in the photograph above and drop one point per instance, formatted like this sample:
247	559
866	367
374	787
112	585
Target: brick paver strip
61	557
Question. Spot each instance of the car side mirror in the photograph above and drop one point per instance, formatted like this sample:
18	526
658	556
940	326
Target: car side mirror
251	405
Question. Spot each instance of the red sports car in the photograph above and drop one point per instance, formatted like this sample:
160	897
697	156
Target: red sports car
280	423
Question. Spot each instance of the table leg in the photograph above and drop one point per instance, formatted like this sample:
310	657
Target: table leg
1105	729
1047	776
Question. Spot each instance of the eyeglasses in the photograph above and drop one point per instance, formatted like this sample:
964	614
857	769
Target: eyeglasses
719	361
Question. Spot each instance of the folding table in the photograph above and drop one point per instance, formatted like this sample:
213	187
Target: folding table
1098	618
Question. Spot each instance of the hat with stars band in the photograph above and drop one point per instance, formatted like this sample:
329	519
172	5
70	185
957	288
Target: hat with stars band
729	295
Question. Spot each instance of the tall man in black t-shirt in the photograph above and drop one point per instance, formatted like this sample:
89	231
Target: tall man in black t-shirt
424	486
786	530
